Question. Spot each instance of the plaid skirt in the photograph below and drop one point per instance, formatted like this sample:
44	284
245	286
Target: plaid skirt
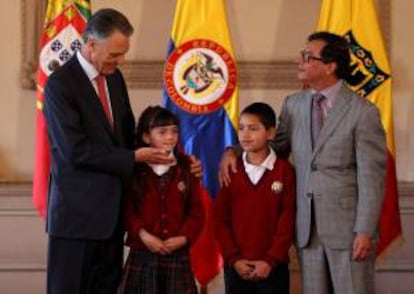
149	273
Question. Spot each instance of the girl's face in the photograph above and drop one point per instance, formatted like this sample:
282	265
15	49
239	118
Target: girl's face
163	137
253	136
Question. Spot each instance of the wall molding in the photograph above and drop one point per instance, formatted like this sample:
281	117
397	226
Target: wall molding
140	74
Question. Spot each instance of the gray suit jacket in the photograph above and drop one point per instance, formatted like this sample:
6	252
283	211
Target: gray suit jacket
343	175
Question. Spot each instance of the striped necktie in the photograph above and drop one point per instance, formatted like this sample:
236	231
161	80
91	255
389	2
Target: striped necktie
103	97
317	116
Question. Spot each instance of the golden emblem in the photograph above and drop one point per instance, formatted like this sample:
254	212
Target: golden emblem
277	187
181	186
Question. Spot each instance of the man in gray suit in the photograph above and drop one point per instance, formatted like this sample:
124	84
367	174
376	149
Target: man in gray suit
338	149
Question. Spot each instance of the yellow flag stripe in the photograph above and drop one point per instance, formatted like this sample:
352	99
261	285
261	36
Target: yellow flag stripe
341	16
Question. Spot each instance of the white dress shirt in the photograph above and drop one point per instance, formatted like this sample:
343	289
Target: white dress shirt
255	172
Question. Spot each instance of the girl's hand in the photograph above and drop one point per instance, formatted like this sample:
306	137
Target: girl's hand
243	268
153	243
174	243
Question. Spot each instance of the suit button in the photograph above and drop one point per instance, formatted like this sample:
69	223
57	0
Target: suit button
314	166
310	195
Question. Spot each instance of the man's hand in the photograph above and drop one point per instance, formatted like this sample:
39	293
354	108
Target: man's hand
153	156
243	268
196	167
261	270
228	162
362	247
174	243
153	243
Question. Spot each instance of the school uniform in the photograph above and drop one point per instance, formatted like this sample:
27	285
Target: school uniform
169	206
254	220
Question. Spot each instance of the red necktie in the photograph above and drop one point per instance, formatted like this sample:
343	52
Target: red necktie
317	116
100	82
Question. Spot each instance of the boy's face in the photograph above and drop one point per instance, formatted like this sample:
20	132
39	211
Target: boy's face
253	136
163	137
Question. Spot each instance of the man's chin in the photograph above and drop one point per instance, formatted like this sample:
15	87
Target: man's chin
302	78
108	71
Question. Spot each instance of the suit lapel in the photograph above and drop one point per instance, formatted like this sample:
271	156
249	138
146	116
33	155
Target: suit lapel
335	115
115	104
306	118
92	97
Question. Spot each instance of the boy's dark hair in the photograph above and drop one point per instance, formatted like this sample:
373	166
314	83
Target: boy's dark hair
151	117
104	22
264	112
335	50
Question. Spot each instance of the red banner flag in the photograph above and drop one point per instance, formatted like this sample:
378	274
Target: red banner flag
64	23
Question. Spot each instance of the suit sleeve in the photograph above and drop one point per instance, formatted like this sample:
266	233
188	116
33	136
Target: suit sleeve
281	143
70	140
371	153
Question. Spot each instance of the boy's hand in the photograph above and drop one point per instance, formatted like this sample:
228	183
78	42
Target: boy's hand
196	168
228	162
243	268
174	243
153	243
261	270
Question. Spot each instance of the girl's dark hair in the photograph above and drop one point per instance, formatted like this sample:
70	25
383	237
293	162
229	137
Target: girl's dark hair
335	50
264	112
151	117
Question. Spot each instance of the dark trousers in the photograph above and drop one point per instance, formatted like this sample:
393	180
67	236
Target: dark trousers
276	282
84	266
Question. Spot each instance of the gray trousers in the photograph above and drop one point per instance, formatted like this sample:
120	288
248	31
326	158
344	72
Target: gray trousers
326	271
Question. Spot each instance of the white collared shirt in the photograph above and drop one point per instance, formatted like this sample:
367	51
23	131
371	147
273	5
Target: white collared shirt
255	172
160	169
92	73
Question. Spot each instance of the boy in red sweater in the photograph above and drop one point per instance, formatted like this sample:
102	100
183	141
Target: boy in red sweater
254	215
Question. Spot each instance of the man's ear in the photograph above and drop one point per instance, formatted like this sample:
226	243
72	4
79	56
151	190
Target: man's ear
271	133
331	68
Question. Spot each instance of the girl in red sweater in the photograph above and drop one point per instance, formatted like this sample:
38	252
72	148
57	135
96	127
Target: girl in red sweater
164	213
254	214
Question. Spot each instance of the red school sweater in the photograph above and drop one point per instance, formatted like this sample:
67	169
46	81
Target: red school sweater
162	210
256	222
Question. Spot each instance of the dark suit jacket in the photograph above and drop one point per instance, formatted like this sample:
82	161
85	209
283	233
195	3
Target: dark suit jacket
89	161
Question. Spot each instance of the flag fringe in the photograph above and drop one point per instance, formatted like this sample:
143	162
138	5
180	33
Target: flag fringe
391	248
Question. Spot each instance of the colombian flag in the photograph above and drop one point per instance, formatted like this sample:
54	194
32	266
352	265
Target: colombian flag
357	21
200	87
64	23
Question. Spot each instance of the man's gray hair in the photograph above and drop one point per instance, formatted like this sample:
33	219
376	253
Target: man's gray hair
104	22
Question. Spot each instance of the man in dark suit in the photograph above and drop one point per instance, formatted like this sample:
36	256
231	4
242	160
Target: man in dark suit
91	133
338	149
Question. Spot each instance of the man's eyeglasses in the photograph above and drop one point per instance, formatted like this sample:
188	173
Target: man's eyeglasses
307	57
